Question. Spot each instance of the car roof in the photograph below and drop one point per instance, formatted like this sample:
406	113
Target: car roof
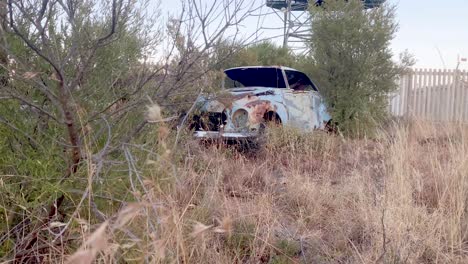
256	67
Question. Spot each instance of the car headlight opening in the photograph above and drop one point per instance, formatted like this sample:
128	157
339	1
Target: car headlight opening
240	118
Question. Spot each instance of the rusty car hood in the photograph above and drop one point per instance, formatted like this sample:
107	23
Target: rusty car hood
258	91
229	97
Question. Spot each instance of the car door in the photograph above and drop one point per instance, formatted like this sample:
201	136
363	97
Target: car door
322	117
316	112
296	104
300	100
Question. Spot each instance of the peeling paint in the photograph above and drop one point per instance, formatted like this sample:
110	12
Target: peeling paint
259	109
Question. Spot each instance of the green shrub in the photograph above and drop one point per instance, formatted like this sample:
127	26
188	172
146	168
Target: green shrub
352	62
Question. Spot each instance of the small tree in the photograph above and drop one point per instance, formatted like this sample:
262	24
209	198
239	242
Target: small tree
352	58
227	55
75	79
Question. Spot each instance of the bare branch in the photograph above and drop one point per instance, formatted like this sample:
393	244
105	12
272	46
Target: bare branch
29	43
116	11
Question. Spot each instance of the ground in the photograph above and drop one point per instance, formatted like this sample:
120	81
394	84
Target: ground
399	197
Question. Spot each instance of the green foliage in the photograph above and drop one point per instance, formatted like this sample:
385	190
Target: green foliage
267	53
287	249
31	162
352	62
241	241
34	140
227	55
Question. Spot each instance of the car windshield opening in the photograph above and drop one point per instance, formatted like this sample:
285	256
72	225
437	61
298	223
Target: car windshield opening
254	77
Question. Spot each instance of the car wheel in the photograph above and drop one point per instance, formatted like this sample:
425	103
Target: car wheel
331	127
269	119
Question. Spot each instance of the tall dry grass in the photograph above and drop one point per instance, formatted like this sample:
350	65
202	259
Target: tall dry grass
300	198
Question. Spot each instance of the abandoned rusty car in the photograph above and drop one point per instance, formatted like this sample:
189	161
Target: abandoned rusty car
255	95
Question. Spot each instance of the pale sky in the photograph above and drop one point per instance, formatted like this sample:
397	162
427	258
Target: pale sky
434	31
428	25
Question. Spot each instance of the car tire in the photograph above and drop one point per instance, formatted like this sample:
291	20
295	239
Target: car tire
331	127
269	119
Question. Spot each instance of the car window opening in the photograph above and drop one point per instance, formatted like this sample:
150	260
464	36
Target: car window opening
254	77
298	81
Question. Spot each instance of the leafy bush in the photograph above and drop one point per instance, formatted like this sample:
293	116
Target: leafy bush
352	60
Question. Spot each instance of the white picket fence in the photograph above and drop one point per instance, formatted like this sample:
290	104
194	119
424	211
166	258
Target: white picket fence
432	95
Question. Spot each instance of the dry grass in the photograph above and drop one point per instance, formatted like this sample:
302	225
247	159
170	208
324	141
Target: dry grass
400	198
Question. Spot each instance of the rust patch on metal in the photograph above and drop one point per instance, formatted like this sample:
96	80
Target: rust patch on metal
259	108
242	95
228	99
256	103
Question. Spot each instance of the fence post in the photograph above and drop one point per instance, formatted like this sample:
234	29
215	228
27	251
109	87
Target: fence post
408	98
455	96
438	95
464	84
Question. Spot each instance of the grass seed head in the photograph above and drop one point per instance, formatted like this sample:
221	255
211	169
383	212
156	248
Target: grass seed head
199	229
153	113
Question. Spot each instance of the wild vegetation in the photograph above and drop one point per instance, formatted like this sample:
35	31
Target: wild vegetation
352	61
96	163
302	198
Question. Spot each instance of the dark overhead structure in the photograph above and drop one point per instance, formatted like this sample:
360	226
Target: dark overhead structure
302	5
298	5
296	19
